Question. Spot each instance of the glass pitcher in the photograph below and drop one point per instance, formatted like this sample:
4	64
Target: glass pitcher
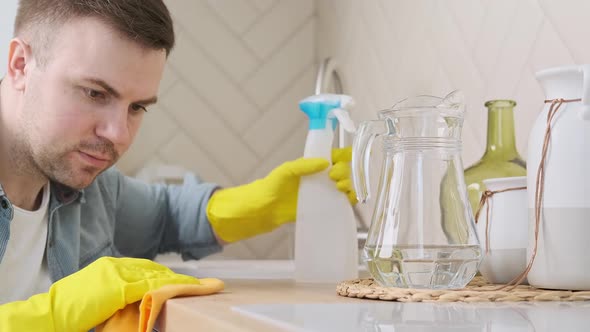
422	232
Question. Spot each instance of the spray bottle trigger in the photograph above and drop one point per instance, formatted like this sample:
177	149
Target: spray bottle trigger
344	120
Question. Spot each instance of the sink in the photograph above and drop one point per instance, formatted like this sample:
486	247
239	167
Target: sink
236	269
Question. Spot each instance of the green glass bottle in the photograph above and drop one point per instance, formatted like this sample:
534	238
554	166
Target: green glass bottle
501	159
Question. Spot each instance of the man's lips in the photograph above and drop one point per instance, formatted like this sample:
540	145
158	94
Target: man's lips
94	159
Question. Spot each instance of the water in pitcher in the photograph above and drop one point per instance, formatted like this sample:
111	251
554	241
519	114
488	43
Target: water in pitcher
432	267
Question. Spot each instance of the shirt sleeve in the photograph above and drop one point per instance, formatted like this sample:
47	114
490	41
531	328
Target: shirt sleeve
157	218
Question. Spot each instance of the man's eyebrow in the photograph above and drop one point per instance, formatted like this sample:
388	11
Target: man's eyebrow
105	86
148	101
116	94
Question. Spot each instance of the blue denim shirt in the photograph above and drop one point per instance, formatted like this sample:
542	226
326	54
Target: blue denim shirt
121	216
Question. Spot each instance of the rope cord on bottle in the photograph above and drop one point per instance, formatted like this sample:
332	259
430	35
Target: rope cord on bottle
485	197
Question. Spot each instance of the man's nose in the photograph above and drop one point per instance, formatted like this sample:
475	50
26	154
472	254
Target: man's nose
114	126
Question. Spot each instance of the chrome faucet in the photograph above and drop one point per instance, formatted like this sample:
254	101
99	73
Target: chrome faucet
327	77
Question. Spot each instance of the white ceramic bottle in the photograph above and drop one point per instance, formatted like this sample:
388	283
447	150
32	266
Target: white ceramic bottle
325	230
562	260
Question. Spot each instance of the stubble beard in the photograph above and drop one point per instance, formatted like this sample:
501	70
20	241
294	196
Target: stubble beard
58	164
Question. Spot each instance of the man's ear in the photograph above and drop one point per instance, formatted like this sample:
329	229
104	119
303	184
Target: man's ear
19	61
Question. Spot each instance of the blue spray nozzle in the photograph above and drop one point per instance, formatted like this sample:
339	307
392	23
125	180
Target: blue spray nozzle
320	109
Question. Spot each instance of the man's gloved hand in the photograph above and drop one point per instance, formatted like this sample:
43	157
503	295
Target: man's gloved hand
82	300
142	316
241	212
340	172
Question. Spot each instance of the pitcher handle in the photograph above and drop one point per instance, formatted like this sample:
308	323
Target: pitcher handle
361	148
585	112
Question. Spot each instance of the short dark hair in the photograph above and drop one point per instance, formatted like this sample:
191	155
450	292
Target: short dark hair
146	22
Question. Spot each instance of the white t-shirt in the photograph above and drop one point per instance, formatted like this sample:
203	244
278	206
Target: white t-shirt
23	269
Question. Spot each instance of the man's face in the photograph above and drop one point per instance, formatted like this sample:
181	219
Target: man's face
83	107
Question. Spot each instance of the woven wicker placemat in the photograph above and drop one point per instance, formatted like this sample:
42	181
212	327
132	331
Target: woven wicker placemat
478	290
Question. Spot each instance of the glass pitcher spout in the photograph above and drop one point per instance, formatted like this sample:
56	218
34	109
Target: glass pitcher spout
453	104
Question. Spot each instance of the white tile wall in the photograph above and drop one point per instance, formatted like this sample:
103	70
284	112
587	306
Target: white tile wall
230	91
490	49
228	108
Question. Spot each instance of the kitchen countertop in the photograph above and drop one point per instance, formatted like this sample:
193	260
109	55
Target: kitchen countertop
274	302
220	312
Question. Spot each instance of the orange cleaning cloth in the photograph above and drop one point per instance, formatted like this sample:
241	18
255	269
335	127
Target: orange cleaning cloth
141	316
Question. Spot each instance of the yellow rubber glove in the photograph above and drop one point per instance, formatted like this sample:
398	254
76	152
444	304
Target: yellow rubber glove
340	172
142	316
261	206
84	299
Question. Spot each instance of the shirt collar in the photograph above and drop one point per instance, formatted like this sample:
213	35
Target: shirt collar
65	194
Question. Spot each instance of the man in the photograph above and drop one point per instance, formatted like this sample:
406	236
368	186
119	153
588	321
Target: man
80	76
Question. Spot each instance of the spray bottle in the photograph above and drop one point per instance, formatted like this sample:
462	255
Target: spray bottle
326	247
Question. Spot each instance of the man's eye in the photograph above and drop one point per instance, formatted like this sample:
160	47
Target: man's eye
138	108
94	94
